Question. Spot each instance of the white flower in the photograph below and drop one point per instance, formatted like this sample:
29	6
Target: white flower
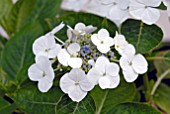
104	73
75	84
69	56
75	5
145	11
117	9
102	40
80	29
120	43
42	72
132	64
46	45
167	3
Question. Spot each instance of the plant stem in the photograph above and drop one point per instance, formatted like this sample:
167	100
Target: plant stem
147	87
158	58
59	40
114	60
146	81
159	81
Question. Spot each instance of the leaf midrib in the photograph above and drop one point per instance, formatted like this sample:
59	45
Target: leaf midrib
139	35
102	103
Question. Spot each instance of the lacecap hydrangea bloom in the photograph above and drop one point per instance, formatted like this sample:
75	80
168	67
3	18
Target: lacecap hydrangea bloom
88	58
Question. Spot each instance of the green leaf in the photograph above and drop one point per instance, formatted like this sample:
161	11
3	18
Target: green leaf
107	99
163	64
27	11
86	106
30	100
5	6
6	107
144	37
161	98
72	19
133	108
2	43
17	55
162	6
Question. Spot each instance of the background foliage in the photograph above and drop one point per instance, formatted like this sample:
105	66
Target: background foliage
28	19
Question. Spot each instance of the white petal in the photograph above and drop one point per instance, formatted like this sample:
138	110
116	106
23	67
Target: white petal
109	41
73	48
86	84
124	62
91	62
80	26
34	73
77	74
150	16
120	43
114	81
75	5
112	69
95	40
118	14
54	51
129	51
102	34
123	4
93	75
77	94
58	28
44	85
66	83
43	62
89	29
49	74
103	48
63	57
75	62
106	1
69	34
39	45
136	9
46	46
130	75
104	82
140	64
101	63
153	3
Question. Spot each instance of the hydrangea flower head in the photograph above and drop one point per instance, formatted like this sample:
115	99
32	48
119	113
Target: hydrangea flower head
88	59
